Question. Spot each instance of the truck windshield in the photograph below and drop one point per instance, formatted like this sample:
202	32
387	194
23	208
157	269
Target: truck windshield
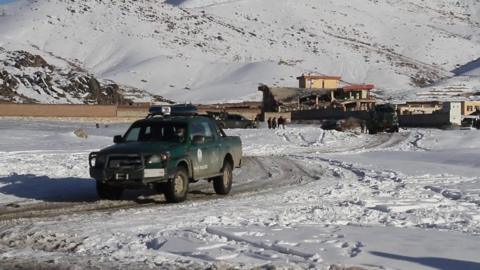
157	132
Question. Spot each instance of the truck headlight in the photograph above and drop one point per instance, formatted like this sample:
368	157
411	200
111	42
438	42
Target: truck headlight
98	160
158	158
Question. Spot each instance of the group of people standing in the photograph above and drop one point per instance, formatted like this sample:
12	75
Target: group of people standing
273	123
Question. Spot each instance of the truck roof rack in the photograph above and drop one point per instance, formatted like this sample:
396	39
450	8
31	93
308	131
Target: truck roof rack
172	110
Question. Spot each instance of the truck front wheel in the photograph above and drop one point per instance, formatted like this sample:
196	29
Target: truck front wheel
177	188
223	184
106	192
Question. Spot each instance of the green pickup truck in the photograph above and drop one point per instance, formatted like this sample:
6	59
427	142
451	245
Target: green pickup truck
383	117
166	153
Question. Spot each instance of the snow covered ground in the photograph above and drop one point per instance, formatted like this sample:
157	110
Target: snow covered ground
305	198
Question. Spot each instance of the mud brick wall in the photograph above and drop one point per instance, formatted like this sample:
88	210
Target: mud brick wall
249	113
130	111
54	110
329	114
424	120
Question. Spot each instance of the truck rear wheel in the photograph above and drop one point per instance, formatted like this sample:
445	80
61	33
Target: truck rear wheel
107	192
223	184
177	188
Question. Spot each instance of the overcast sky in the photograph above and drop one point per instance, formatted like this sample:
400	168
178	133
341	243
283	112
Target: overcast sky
5	1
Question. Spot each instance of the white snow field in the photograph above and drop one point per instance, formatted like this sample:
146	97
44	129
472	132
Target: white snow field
213	51
304	198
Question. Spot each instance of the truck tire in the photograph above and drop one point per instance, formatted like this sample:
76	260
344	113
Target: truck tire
223	184
107	192
177	188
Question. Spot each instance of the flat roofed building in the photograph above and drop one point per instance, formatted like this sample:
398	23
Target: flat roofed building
278	99
318	92
352	98
358	91
318	81
419	107
470	107
454	109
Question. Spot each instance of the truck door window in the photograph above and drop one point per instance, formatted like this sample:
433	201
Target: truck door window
133	134
158	132
208	130
203	129
196	129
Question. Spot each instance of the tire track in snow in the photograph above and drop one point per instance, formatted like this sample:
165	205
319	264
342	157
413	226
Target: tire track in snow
259	244
402	198
419	136
257	176
375	142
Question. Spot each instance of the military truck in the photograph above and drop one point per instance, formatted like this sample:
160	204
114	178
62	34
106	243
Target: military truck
166	152
226	120
383	118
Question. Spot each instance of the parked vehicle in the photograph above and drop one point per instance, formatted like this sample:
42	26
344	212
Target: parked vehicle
226	120
331	124
383	118
471	121
349	124
167	152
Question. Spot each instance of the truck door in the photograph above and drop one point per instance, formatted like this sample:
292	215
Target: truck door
219	150
201	154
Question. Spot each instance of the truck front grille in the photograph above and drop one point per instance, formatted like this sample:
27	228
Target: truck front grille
125	162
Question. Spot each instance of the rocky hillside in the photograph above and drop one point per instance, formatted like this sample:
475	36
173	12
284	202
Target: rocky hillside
220	50
29	78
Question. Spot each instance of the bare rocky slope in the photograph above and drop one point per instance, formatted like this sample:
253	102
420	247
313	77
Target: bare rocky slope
29	78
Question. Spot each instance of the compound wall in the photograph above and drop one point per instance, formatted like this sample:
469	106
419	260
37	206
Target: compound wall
329	114
425	120
61	110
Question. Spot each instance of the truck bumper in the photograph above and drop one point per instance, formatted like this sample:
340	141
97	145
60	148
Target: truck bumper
129	178
126	171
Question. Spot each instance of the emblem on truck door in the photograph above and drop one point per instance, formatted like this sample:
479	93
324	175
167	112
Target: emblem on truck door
199	155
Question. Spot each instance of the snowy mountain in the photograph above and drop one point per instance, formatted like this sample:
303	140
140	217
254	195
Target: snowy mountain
220	50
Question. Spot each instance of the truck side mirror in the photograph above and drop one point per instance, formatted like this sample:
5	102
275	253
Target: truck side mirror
198	139
118	139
